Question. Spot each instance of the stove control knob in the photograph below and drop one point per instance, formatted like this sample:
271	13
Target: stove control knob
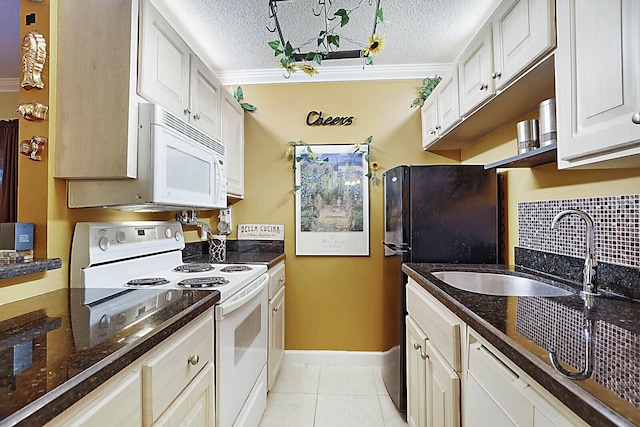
103	243
178	235
121	236
104	322
122	319
168	296
167	233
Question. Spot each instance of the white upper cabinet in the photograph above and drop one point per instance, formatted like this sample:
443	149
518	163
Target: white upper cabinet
233	139
205	94
448	102
171	75
523	30
429	117
164	63
475	65
597	88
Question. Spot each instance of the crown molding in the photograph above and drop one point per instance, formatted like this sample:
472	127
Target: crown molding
9	85
335	74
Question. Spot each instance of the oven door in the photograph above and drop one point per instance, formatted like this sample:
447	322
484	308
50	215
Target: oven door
241	348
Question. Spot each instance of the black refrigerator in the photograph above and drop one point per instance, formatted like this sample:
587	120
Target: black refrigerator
435	214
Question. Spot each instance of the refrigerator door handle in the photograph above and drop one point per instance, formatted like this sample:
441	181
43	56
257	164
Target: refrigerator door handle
403	247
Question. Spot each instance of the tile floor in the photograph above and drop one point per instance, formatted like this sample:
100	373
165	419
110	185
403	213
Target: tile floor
335	396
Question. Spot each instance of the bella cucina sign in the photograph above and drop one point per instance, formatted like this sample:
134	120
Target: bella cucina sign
315	118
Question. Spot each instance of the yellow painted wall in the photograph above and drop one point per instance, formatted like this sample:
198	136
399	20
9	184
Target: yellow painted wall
8	103
545	182
333	303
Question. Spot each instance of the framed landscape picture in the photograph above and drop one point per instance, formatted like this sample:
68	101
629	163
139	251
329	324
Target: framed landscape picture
332	200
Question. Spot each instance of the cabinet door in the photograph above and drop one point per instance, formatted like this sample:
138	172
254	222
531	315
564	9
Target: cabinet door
194	406
164	63
597	72
117	402
275	355
429	116
416	375
480	410
523	30
443	394
205	92
233	139
448	111
474	68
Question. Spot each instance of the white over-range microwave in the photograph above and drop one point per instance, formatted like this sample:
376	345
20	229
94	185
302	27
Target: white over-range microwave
179	168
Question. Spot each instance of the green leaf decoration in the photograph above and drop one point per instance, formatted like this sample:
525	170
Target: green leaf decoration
334	40
344	17
296	187
248	107
369	60
292	143
310	56
317	58
298	159
238	94
368	175
288	49
374	180
379	15
370	139
275	45
366	158
309	150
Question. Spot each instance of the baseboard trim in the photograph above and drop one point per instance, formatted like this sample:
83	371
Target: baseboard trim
334	357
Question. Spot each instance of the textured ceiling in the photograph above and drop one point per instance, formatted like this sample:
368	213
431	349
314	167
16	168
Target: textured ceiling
232	36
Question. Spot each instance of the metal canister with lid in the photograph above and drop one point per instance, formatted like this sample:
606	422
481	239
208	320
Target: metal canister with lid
527	135
548	133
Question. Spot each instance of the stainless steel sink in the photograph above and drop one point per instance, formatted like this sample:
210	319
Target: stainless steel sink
499	284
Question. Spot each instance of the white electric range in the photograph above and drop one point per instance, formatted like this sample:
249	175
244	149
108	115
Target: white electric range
128	270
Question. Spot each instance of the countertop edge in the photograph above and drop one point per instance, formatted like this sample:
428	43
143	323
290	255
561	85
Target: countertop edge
56	401
585	405
9	270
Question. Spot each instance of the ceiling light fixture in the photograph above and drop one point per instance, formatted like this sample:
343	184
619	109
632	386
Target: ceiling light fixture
299	57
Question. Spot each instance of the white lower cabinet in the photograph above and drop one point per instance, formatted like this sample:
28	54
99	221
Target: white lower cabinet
275	353
172	385
498	393
433	346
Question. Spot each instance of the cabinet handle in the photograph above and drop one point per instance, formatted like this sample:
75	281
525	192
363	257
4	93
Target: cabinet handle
196	117
636	118
281	279
433	132
496	75
424	356
187	111
275	310
484	86
416	346
437	127
194	359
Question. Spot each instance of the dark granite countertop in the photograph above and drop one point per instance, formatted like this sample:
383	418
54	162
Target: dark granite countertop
42	369
21	268
524	328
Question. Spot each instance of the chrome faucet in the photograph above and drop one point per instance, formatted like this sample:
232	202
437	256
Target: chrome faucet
589	289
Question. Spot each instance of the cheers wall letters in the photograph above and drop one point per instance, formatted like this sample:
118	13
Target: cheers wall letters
314	118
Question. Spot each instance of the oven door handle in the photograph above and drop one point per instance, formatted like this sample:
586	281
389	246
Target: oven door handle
242	297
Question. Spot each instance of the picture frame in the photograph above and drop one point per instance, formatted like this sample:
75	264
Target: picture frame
332	199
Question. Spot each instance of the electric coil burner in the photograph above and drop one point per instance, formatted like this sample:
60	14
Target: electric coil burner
203	282
235	268
193	268
147	282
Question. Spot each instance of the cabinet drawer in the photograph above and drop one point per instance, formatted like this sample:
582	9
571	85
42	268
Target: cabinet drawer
173	365
500	382
276	280
440	325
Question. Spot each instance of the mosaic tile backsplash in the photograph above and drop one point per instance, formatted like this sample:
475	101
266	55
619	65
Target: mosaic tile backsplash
616	228
616	354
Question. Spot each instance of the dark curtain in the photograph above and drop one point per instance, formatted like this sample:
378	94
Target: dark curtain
8	170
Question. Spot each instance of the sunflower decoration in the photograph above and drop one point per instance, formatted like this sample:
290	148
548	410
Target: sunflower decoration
375	46
309	69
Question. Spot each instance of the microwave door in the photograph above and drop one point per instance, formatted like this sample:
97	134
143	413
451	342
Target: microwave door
185	173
